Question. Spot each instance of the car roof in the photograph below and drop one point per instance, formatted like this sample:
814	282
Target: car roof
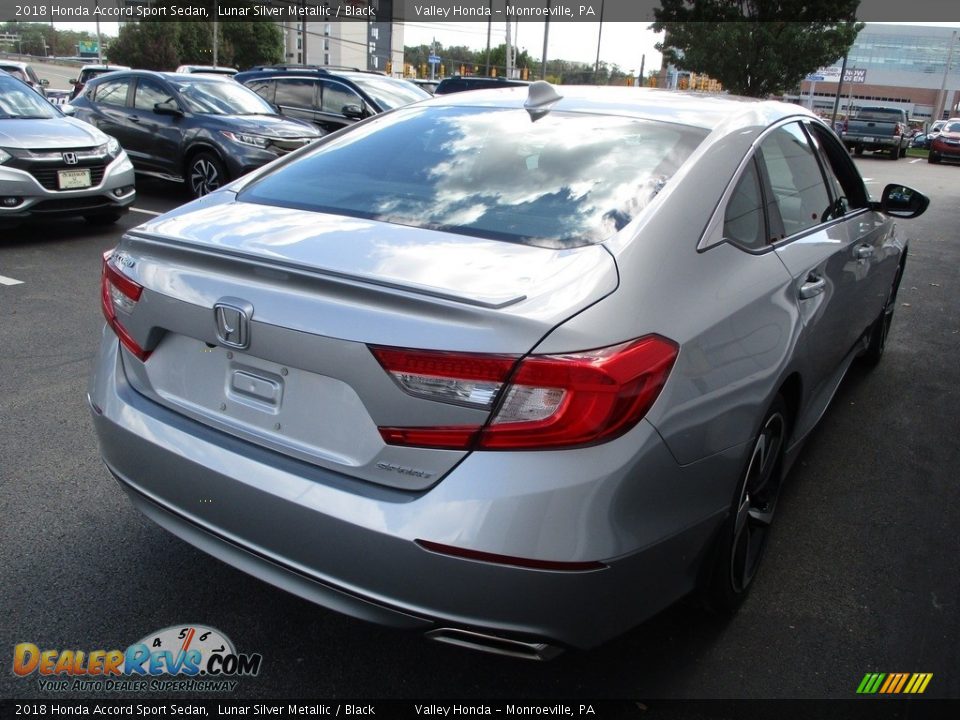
170	76
105	67
704	110
14	63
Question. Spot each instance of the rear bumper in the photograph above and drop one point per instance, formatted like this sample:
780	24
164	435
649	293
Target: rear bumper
350	546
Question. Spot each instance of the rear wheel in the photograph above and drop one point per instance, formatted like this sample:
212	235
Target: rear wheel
858	150
933	158
205	173
903	152
744	536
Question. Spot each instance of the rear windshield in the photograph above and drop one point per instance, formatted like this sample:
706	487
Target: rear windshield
563	180
879	114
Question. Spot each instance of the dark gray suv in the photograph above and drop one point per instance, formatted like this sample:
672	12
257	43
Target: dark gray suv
197	129
327	97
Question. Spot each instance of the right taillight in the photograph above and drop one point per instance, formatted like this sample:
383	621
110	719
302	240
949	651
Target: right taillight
546	401
119	295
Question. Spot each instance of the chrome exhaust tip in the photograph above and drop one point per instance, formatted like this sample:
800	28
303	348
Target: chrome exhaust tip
494	644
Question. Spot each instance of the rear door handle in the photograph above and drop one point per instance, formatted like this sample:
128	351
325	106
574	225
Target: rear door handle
133	118
812	287
863	252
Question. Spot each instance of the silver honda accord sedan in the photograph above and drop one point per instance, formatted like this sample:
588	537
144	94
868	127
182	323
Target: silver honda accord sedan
515	369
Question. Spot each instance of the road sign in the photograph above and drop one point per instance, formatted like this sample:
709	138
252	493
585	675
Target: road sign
434	59
87	48
815	78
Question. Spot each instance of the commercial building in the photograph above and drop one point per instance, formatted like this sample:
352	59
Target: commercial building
901	66
367	45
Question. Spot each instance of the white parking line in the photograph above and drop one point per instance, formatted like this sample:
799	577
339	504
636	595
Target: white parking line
145	212
9	281
916	161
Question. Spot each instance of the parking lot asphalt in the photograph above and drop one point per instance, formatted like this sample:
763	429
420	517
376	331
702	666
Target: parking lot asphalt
861	574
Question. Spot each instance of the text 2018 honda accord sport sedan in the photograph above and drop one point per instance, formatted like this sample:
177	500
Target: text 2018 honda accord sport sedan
514	368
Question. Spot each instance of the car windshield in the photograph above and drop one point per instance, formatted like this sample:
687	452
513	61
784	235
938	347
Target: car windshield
951	127
559	180
18	102
209	96
390	93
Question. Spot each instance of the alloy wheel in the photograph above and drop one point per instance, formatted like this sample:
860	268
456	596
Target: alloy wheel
757	502
204	177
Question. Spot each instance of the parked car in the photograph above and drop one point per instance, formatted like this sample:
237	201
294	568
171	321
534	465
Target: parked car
25	72
946	145
208	69
459	83
877	129
88	72
921	141
456	372
428	85
329	98
51	164
198	129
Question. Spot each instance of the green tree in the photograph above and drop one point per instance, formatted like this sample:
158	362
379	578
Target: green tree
146	45
246	44
756	47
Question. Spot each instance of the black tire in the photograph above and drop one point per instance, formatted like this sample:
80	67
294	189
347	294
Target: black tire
107	218
895	153
933	158
205	173
881	326
743	537
858	150
903	152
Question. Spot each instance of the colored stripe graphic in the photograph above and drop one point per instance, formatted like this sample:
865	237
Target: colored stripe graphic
894	683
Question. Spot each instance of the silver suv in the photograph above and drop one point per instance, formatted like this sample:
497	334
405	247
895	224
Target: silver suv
51	164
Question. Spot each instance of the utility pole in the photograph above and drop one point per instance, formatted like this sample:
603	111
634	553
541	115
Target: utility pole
546	34
836	100
942	96
215	37
643	62
489	26
596	65
99	44
509	61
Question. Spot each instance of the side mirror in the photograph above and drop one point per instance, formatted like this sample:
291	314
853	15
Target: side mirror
277	109
44	82
74	81
354	112
68	110
901	201
168	107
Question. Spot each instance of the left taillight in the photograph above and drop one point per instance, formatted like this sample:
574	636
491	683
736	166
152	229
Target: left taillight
541	401
119	295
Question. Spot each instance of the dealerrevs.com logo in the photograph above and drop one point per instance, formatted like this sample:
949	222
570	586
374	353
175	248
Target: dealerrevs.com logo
188	658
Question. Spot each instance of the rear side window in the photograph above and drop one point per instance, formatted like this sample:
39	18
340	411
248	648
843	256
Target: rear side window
296	92
743	221
563	180
799	192
113	92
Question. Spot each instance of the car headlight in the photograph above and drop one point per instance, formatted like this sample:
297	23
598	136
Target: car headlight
258	141
4	156
113	147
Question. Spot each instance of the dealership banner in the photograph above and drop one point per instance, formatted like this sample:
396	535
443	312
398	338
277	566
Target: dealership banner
412	10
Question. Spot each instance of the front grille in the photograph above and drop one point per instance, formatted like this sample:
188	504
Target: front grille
47	175
282	147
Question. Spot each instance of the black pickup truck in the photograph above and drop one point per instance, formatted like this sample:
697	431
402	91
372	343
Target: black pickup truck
877	129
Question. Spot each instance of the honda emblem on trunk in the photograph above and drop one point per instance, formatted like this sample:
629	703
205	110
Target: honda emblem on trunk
70	158
233	323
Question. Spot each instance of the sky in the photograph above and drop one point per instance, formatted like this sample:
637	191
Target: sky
622	44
